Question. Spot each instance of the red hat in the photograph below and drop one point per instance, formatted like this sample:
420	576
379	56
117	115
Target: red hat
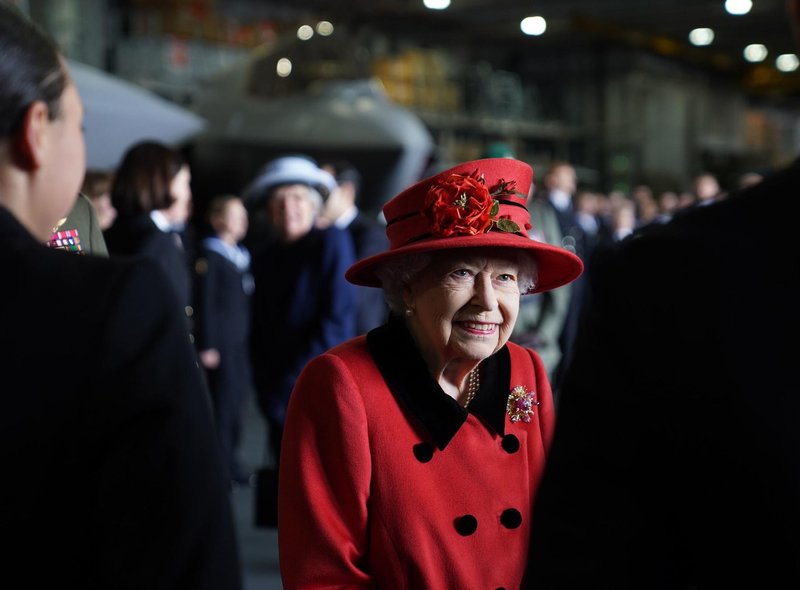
478	204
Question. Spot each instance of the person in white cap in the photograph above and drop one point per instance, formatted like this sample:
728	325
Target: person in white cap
302	304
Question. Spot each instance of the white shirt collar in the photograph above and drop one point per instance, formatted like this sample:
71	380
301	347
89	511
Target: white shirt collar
560	199
161	221
346	218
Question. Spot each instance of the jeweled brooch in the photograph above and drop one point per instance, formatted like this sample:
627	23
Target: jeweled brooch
521	403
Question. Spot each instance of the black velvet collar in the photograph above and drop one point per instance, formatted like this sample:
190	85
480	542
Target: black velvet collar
402	366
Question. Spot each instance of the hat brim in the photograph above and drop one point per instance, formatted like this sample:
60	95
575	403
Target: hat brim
256	194
555	266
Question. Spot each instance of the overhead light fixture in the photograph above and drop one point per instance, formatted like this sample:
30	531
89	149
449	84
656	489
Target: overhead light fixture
305	32
738	7
533	25
436	4
701	36
283	67
787	62
324	28
755	52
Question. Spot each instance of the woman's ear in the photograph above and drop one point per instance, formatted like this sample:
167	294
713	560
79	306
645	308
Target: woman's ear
29	142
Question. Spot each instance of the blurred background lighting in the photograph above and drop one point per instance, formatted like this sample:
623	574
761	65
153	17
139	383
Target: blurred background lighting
787	62
305	32
324	28
755	52
701	36
284	67
738	7
533	25
436	4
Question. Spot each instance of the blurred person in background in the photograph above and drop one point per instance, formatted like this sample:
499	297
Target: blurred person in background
97	187
412	454
686	199
542	317
302	305
82	229
749	179
706	189
646	204
594	225
341	210
683	475
561	184
623	220
223	287
79	231
668	203
153	198
107	431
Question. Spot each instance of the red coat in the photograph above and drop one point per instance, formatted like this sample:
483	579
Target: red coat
386	482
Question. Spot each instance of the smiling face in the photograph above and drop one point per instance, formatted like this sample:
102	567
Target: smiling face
464	305
292	210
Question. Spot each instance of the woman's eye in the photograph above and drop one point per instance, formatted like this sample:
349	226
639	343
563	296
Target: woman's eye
461	272
506	278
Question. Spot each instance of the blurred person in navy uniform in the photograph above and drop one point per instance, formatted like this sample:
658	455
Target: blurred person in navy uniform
153	197
302	305
676	458
106	438
223	287
369	237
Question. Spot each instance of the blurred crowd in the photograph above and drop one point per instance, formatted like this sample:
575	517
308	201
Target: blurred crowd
259	299
260	274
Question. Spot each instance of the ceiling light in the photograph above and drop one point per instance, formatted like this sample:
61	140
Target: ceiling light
787	62
533	25
436	4
305	32
324	28
738	7
701	36
755	52
284	67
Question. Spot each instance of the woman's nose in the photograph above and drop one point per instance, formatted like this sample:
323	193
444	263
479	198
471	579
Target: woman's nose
484	294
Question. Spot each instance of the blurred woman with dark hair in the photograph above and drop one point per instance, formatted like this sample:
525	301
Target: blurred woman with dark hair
152	196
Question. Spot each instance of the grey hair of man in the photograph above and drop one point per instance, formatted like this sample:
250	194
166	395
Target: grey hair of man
396	274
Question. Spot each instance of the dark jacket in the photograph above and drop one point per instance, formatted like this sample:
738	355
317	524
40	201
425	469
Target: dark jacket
138	235
369	238
676	459
112	473
302	306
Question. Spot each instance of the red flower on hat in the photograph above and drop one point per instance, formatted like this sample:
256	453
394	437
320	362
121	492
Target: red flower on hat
462	205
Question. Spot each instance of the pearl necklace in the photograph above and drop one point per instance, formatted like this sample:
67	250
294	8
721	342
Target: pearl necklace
473	384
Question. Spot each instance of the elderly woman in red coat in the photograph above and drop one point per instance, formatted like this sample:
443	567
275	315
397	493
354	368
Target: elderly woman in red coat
411	455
